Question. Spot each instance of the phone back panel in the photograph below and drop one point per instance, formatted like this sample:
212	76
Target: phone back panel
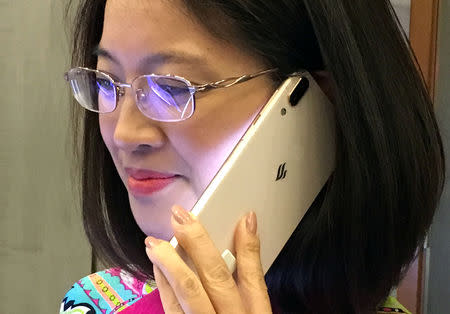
277	169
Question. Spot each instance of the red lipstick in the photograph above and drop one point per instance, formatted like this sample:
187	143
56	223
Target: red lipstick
146	182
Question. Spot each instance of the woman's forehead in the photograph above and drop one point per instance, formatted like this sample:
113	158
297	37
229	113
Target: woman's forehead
158	18
141	28
135	29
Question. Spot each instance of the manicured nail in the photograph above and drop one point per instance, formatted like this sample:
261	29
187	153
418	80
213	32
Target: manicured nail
250	222
181	215
151	242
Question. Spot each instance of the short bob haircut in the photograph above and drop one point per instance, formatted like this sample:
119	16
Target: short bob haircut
364	228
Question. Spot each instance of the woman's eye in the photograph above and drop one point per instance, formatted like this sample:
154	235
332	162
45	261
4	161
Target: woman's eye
172	90
104	84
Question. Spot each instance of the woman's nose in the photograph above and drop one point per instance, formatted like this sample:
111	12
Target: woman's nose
133	130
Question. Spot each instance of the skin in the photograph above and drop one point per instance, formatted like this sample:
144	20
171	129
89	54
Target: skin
193	149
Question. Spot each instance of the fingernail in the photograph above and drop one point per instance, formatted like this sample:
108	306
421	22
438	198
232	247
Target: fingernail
250	222
151	242
181	215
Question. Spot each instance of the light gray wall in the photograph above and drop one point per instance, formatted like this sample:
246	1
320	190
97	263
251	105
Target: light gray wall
43	249
403	10
438	294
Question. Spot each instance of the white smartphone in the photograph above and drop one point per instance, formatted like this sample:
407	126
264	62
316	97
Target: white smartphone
276	170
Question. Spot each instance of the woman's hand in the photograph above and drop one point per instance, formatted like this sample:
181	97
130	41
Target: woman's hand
214	290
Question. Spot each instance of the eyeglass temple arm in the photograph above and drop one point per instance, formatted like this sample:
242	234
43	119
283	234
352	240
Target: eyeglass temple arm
231	81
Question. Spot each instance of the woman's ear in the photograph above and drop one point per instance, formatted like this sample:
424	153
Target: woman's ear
325	81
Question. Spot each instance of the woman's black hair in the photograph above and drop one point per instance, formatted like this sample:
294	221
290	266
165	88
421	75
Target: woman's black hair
364	228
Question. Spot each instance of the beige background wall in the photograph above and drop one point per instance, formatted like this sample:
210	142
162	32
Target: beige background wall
42	249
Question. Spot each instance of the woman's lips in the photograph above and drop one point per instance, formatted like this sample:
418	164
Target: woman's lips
148	186
145	182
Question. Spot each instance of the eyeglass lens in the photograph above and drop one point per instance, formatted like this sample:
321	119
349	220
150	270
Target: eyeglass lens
164	97
93	90
158	97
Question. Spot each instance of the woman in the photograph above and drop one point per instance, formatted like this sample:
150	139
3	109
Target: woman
362	231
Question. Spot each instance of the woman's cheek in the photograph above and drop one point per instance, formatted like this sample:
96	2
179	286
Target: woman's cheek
206	145
107	131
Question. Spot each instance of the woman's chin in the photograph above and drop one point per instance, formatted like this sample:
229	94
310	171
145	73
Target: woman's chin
153	212
166	235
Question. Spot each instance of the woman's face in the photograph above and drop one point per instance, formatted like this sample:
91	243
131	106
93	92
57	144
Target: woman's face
191	151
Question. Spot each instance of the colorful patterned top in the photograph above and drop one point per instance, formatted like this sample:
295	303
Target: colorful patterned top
113	290
108	291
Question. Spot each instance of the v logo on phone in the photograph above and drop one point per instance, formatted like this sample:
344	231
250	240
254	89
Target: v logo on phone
281	172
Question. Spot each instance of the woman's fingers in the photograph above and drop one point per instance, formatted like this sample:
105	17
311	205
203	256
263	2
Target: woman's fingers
250	276
214	290
168	297
185	284
211	268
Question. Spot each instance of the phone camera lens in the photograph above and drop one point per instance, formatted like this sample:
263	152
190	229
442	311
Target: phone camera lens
299	91
283	111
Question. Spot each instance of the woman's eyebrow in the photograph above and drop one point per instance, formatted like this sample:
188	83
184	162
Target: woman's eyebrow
158	58
101	52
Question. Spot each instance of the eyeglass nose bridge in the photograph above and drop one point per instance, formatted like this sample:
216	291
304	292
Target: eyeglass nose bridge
121	88
139	96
